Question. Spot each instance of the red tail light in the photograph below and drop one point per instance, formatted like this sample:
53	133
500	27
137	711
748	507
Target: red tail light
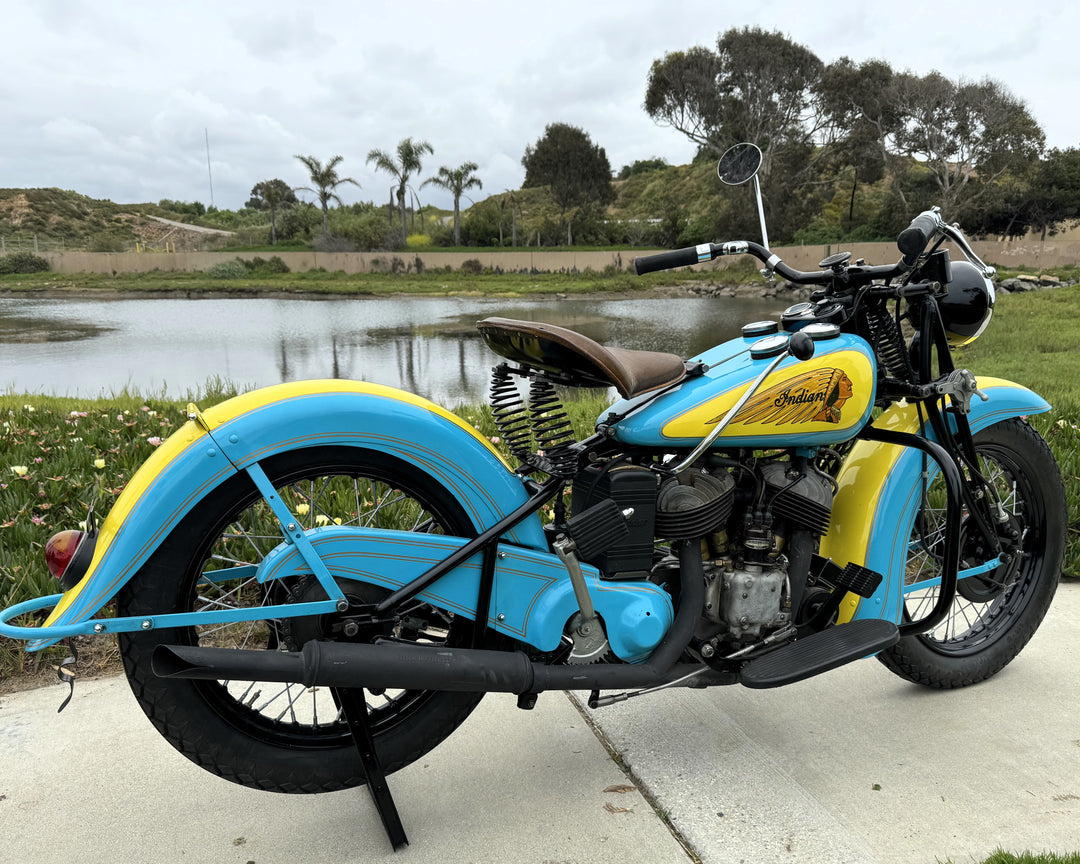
68	556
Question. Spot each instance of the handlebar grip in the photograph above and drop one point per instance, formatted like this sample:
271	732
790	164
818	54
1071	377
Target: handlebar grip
913	240
675	258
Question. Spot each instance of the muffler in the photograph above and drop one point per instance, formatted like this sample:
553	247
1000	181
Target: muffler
394	665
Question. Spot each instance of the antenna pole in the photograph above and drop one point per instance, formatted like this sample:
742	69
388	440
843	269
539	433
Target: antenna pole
211	175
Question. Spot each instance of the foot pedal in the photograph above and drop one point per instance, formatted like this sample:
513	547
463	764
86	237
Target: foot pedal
819	652
854	577
859	580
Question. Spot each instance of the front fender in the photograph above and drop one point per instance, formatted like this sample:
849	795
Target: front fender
230	436
879	488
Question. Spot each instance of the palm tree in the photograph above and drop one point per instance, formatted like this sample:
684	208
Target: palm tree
409	153
324	180
455	181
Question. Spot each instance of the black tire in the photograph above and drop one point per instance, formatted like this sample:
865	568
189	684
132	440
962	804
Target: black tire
263	735
993	616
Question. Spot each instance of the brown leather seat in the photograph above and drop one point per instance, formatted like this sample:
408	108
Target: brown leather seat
579	359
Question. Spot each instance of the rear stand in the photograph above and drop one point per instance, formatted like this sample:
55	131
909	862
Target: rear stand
355	709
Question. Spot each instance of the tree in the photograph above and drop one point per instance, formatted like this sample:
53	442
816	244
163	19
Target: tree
409	154
271	195
969	136
456	181
324	182
576	170
757	86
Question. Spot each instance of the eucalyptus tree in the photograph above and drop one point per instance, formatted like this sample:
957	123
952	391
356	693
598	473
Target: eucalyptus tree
324	183
406	164
456	181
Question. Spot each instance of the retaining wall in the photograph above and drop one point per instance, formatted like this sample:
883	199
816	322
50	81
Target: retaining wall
1033	254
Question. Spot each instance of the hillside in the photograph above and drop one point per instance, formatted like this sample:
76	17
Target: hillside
62	219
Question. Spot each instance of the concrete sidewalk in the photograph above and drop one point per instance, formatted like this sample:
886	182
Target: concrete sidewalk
854	766
97	785
860	766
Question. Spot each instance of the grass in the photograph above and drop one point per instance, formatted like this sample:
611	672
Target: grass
436	283
1002	857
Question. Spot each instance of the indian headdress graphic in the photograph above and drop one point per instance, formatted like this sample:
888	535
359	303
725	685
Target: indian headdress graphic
812	396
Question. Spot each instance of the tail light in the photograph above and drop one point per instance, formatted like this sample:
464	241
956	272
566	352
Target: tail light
68	555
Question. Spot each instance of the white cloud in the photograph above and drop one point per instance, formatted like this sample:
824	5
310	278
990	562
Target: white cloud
120	99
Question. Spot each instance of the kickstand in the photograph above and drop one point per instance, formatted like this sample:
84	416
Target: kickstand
355	709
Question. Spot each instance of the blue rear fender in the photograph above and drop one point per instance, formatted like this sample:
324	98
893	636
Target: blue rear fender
240	432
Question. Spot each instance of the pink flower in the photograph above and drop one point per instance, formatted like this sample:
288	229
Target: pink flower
37	520
153	440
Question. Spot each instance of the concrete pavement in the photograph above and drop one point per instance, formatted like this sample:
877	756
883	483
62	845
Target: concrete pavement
860	766
854	766
97	785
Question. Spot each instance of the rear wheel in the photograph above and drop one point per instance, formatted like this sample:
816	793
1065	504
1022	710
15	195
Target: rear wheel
994	614
285	737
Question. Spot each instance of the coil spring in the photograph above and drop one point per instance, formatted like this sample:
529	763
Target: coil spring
510	413
551	428
888	342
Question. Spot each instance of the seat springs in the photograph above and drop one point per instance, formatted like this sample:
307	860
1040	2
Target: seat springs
551	428
510	413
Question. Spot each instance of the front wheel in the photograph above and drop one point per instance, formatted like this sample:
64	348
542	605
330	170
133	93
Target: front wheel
995	614
285	737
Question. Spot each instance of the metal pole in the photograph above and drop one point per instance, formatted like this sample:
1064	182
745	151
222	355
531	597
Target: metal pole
210	173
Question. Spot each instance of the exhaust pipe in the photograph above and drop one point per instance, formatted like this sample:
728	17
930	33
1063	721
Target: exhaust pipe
394	665
391	665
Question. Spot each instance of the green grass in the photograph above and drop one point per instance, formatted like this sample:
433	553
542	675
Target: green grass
1003	857
430	283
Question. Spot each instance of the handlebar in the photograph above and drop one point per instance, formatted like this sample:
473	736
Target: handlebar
911	242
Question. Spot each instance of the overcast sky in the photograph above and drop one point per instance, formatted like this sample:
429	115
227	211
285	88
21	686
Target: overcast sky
115	99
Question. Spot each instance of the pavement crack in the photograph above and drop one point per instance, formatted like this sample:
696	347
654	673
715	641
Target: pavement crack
637	782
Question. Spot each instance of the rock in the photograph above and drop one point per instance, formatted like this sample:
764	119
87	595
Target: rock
1046	279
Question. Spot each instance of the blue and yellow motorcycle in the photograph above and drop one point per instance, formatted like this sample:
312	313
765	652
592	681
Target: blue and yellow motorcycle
315	583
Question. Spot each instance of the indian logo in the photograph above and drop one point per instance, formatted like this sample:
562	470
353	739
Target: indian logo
811	397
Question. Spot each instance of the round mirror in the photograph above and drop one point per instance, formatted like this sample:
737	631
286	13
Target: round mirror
739	164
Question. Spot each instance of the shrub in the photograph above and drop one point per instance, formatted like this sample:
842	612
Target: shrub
23	262
233	269
414	240
472	267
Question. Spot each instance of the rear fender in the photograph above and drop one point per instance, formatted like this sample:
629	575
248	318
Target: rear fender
229	437
879	490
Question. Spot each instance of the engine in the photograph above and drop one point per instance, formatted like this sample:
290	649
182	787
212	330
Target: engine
759	520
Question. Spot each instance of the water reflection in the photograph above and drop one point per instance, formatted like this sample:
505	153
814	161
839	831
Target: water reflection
425	345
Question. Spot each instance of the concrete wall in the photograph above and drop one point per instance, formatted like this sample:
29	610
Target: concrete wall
1035	254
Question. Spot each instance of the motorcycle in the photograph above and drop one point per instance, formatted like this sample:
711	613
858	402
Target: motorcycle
315	583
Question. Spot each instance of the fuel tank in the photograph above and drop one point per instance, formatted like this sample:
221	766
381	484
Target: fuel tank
823	400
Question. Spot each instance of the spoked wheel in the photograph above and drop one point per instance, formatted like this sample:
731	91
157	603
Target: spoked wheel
286	737
995	613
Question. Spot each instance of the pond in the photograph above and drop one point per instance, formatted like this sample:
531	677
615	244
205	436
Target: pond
427	345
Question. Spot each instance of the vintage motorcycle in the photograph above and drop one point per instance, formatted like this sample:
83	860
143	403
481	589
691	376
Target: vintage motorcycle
316	582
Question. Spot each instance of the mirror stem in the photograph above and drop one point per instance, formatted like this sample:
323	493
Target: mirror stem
761	213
